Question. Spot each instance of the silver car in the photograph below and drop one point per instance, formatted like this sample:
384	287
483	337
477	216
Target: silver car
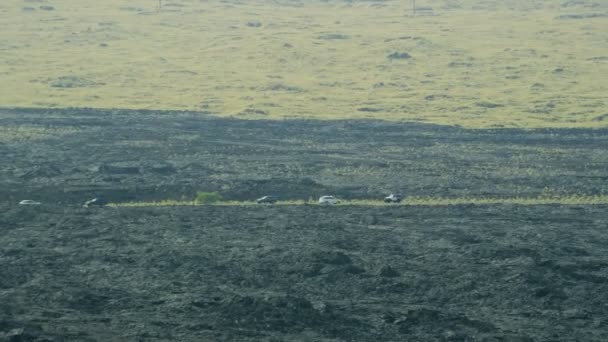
328	200
29	202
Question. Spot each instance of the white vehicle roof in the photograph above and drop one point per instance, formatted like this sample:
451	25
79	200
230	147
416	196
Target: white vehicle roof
24	202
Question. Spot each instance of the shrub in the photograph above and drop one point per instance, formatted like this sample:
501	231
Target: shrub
207	197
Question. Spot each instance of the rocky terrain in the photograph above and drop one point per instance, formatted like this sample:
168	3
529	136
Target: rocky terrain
296	273
68	156
304	273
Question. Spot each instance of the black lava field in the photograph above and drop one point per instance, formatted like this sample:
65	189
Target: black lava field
296	272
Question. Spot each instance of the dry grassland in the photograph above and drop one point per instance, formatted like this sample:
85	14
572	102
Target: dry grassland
470	62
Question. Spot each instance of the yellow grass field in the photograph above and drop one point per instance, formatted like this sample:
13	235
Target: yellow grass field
473	63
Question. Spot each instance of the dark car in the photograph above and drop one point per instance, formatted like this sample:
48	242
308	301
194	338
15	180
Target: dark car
267	199
393	198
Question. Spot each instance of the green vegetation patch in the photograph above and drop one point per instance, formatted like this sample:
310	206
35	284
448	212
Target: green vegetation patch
207	197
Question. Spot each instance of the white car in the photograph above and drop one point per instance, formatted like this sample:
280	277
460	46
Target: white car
100	202
29	202
328	200
393	198
267	199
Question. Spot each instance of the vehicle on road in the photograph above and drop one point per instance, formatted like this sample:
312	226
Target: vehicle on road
29	202
393	198
99	202
328	200
267	199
